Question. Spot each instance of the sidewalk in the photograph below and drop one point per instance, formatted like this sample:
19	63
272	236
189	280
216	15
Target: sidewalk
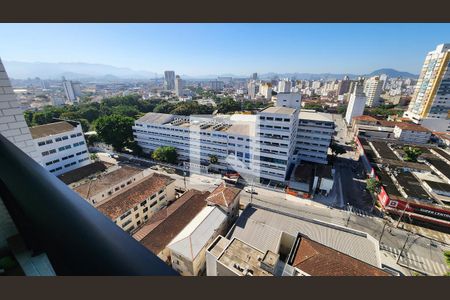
421	231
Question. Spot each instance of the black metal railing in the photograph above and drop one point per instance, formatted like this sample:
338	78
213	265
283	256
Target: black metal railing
51	218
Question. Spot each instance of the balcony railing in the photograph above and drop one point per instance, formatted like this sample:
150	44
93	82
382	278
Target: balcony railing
53	219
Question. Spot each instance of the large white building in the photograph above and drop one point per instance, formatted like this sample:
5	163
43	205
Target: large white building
252	88
61	146
169	80
262	145
373	88
72	90
265	90
216	85
314	134
430	105
289	100
356	103
284	86
179	86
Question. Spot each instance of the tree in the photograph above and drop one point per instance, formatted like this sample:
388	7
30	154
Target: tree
92	139
411	153
228	105
89	113
316	106
164	107
93	156
84	124
28	115
70	115
342	110
373	185
167	154
115	130
213	159
126	110
137	150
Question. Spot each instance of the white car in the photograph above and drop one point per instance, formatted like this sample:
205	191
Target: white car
250	190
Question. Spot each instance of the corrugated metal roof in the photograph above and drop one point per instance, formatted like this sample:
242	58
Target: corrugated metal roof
262	229
190	241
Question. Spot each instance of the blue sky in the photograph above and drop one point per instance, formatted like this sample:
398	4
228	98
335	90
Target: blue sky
203	49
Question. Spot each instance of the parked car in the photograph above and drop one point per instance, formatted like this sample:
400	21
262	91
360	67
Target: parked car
250	190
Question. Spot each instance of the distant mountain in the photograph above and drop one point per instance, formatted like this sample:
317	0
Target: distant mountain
86	71
393	73
23	70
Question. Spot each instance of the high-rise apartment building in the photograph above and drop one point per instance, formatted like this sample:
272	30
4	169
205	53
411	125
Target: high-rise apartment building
179	86
344	86
255	76
384	78
430	105
356	103
372	88
72	90
252	88
265	90
284	86
169	80
216	85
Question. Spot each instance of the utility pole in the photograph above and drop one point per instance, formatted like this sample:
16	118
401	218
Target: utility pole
349	213
403	248
401	216
251	191
382	231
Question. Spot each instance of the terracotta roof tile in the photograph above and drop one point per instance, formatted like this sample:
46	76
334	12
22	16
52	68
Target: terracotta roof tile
134	195
319	260
164	225
106	181
223	195
411	127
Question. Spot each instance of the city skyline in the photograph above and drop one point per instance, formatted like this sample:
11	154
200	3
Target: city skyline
238	49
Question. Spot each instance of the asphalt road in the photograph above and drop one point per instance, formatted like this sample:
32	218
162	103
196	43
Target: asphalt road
392	240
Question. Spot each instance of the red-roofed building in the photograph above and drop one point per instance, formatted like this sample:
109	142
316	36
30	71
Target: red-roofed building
226	197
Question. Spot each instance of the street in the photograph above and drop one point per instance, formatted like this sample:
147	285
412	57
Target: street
419	253
418	249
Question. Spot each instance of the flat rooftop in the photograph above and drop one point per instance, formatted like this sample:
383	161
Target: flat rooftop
50	129
279	110
243	259
315	116
241	129
156	118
